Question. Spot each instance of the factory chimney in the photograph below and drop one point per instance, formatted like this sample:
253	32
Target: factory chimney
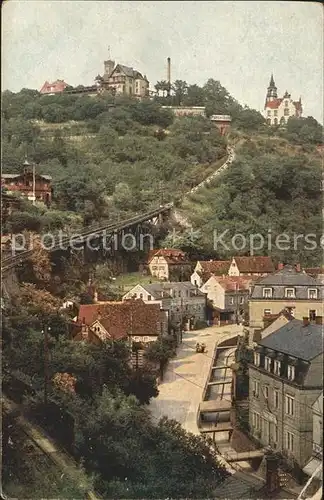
169	76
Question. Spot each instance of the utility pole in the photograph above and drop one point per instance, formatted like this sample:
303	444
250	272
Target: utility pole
46	361
236	302
34	185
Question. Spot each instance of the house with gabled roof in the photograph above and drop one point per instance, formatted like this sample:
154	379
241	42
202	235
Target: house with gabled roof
204	269
182	301
228	296
285	378
255	266
116	320
54	87
121	79
169	264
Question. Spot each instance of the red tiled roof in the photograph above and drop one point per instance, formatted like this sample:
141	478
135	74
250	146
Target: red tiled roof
215	266
314	270
235	283
171	255
50	88
256	264
88	313
123	318
273	104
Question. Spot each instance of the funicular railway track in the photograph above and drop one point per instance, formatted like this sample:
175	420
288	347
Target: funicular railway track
89	234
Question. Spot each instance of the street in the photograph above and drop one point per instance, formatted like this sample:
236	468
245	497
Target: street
182	387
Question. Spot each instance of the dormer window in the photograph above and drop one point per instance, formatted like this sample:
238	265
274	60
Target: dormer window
276	367
257	359
267	363
291	372
267	293
312	293
290	293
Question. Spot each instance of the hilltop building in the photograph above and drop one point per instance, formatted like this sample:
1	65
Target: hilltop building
277	110
53	88
28	183
122	79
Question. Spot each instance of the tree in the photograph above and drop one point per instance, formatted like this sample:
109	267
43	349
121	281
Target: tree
21	221
179	88
195	96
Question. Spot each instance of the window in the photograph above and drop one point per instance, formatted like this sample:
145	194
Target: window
269	112
256	420
291	372
286	104
267	293
289	405
267	363
141	296
276	398
256	388
275	112
266	392
290	293
149	297
289	441
275	433
312	293
286	112
275	121
276	367
154	268
266	312
161	268
231	300
242	300
179	293
257	359
312	314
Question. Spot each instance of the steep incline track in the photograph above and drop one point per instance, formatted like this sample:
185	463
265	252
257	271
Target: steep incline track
89	234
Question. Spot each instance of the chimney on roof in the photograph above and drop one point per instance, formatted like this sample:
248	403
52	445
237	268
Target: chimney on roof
297	267
305	321
95	296
280	266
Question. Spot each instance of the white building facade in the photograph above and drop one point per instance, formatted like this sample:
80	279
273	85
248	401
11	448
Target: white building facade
277	111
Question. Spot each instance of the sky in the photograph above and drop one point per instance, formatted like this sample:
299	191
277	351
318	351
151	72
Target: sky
238	43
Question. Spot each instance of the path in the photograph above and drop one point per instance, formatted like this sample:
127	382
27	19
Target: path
184	381
178	215
60	458
181	392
